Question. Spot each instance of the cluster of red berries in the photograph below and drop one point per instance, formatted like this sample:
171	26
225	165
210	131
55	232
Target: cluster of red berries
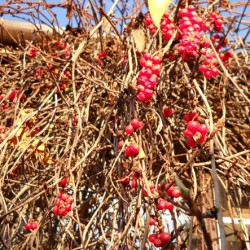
148	76
100	56
225	56
168	112
195	132
168	28
32	52
159	240
30	226
132	150
132	181
134	125
63	205
150	24
208	68
190	26
217	21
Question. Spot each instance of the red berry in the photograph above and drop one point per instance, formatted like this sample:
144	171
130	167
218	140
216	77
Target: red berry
193	126
169	205
161	204
63	212
188	133
135	148
158	243
27	225
152	237
152	221
129	129
176	193
33	225
128	152
135	123
68	207
165	237
203	129
63	197
167	112
191	142
156	60
64	181
56	211
134	183
125	180
147	56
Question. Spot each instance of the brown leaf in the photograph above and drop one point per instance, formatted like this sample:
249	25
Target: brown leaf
140	39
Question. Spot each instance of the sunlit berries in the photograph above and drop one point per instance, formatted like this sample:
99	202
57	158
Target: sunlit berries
30	225
63	205
160	239
132	150
148	77
195	133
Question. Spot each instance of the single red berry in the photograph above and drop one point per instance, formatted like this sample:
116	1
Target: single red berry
135	148
33	225
158	243
193	126
176	193
129	129
64	181
125	180
165	237
134	183
135	123
63	197
152	237
203	129
56	210
191	142
168	112
128	152
152	221
188	133
68	207
169	205
27	225
156	60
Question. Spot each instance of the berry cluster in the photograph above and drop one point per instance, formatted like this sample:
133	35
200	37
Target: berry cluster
148	76
195	132
63	205
134	125
101	55
132	150
217	21
132	181
159	239
208	68
168	28
190	26
150	24
30	226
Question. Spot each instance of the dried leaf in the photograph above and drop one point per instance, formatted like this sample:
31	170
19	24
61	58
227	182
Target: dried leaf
157	8
140	39
141	153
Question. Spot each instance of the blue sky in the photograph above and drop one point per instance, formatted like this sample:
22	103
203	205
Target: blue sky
63	20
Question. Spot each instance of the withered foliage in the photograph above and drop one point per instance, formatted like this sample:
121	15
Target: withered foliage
74	94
